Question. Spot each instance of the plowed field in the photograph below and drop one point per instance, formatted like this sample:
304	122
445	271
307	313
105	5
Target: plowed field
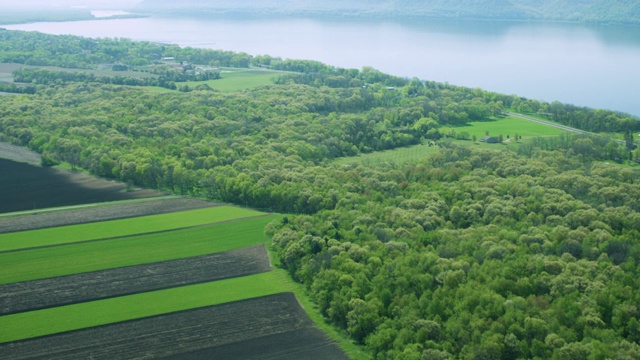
28	187
101	213
270	327
64	290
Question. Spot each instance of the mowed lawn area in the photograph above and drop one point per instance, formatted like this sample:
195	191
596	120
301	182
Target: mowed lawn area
507	126
235	79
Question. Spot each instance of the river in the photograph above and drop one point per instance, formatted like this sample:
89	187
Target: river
595	66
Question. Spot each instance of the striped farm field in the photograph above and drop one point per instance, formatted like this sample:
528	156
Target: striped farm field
141	249
101	312
122	227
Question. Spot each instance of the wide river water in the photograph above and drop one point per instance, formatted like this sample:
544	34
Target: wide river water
595	66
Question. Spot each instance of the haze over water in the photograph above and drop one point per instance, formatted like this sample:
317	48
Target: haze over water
595	66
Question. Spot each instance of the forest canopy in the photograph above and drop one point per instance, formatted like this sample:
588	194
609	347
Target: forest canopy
519	252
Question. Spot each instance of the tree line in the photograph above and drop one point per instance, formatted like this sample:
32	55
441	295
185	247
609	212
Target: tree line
465	254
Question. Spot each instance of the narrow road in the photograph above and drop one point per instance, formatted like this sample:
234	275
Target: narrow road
563	127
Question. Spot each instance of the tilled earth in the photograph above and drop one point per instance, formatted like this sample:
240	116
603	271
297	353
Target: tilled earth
27	187
102	213
65	290
271	327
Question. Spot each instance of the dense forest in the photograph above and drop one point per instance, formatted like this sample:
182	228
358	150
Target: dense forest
604	11
497	253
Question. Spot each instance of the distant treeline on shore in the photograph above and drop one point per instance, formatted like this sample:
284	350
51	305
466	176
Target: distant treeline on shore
590	11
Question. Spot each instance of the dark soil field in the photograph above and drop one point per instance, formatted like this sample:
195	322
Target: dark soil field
65	290
28	187
101	213
271	327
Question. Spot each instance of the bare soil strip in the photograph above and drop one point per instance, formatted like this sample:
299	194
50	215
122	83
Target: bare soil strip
271	327
101	213
19	153
28	187
65	290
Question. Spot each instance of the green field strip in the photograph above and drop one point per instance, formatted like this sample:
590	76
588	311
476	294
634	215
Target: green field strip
122	227
100	255
509	125
398	156
95	313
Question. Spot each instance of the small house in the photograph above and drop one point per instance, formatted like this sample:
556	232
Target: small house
490	139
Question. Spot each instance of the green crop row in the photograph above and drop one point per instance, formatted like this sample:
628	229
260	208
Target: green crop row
121	227
108	254
95	313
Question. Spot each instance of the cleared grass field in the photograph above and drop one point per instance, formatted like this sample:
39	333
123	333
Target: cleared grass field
235	79
95	313
108	254
122	227
398	156
506	126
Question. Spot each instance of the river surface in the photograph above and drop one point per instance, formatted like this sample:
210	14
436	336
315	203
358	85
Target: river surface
595	66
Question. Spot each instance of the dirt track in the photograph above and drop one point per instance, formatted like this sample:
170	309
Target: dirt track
64	290
102	213
271	327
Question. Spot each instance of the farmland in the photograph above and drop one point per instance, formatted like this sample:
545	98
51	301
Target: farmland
31	187
266	327
39	294
199	282
122	227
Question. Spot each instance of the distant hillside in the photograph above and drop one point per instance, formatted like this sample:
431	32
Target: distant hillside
606	11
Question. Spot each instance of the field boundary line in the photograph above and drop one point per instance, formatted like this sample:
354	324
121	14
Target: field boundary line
92	205
136	235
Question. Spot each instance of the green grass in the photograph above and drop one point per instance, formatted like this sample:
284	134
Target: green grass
398	156
108	254
101	312
506	126
234	79
122	227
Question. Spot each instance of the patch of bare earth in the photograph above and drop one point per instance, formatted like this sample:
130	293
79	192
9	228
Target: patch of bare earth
270	327
101	213
18	153
65	290
27	187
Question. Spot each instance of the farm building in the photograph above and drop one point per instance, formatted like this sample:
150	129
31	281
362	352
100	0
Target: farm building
490	139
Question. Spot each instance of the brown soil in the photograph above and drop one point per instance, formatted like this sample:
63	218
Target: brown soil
27	187
65	290
101	213
271	327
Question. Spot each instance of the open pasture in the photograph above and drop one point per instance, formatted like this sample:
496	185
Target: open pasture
236	79
83	257
122	227
505	126
270	327
65	290
397	156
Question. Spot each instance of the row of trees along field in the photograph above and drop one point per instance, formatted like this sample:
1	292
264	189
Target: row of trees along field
470	254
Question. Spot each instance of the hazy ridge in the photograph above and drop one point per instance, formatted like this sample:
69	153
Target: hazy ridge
603	11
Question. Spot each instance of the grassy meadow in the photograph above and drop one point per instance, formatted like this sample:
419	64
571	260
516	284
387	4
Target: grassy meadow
236	79
507	126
